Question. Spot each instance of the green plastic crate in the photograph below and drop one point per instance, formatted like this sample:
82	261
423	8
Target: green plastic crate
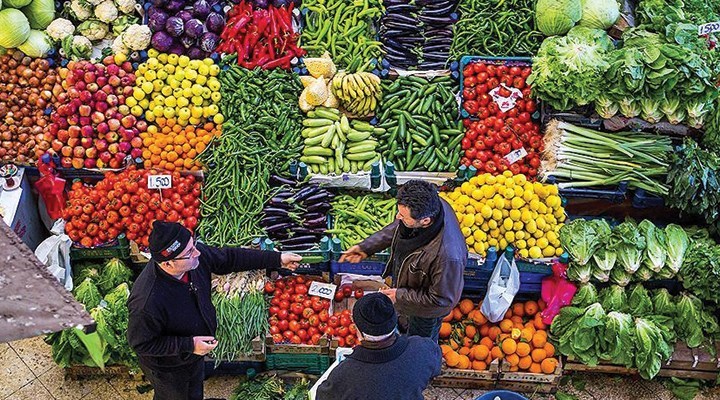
121	250
315	364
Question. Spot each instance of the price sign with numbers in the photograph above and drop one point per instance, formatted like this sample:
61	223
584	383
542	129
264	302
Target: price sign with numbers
706	29
324	290
159	181
516	155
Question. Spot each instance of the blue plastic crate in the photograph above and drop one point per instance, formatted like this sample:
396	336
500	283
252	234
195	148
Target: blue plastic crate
643	199
502	395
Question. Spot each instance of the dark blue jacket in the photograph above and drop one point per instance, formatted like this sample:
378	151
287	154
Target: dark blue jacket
399	372
165	313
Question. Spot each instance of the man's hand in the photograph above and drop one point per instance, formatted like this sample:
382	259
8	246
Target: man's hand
354	255
389	293
290	261
204	344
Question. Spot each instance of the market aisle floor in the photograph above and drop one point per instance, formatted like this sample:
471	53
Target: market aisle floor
27	372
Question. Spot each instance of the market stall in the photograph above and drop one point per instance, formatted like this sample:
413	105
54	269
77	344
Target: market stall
576	142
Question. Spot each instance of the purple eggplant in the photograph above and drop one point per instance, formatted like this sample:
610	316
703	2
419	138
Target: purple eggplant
175	26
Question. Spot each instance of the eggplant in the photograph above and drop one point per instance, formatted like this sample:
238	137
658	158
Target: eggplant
279	227
272	220
436	20
311	239
400	25
438	48
319	207
277	180
434	10
276	211
399	8
433	65
303	246
320	197
400	18
303	193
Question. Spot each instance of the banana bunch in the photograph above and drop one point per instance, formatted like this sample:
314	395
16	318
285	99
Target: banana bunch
359	93
334	144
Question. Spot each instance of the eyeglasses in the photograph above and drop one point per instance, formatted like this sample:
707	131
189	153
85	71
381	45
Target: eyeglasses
192	251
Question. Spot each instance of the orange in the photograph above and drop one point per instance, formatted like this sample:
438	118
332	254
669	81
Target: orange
448	317
493	333
487	342
454	345
516	319
479	318
538	355
549	349
523	349
457	314
506	325
479	365
464	351
466	305
470	331
531	308
484	330
509	346
535	368
508	313
496	353
445	349
548	365
467	342
452	359
513	360
480	352
518	309
445	330
527	334
464	362
503	336
541	304
539	339
538	322
525	362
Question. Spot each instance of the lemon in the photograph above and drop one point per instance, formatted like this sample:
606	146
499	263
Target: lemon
535	204
466	231
542	242
559	251
540	221
479	248
531	242
524	253
510	237
508	224
542	209
492	224
479	235
531	226
520	234
186	84
463	200
492	243
515	215
535	252
551	236
479	220
548	251
519	191
452	195
486	226
553	201
197	100
486	211
518	226
490	179
501	179
138	93
508	193
507	174
552	189
477	194
519	243
503	243
488	191
538	234
468	209
499	202
497	215
509	183
528	195
505	213
469	240
468	220
562	218
517	203
519	179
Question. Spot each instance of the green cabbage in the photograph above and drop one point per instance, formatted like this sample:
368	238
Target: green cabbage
556	17
40	13
113	274
620	277
16	3
37	45
581	238
585	295
14	28
599	14
579	273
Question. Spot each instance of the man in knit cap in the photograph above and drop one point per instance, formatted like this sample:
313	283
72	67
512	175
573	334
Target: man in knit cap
172	319
385	365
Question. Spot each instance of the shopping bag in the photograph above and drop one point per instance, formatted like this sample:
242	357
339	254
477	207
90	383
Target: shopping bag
54	252
503	286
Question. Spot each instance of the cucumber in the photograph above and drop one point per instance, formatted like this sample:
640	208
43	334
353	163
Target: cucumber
317	151
368	155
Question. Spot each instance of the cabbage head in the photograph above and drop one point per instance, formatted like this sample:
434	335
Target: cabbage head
556	17
14	28
599	14
37	45
40	13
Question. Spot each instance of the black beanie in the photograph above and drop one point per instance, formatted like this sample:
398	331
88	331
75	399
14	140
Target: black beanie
374	314
168	240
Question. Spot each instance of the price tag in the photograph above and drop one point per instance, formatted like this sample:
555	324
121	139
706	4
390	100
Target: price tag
706	29
324	290
159	181
506	103
516	155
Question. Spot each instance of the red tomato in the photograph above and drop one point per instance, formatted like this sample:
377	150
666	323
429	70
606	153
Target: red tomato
288	335
479	67
358	293
342	331
341	342
296	340
469	94
315	339
471	106
298	298
274	310
296	308
314	320
324	316
333	322
277	338
345	321
339	296
302	334
274	330
316	305
465	143
470	81
350	340
470	153
353	329
294	326
515	71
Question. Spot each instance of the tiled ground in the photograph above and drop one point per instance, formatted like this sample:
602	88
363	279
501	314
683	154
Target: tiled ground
27	372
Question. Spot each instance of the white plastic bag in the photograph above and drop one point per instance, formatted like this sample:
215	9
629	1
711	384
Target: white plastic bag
502	288
55	253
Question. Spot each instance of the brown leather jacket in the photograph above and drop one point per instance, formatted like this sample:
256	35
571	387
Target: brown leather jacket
430	280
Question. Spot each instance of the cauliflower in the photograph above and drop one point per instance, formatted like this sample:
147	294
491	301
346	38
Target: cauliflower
93	29
137	37
126	6
95	2
106	11
77	47
59	29
118	47
80	9
121	24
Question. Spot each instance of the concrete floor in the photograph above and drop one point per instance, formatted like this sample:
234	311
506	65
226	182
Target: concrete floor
27	372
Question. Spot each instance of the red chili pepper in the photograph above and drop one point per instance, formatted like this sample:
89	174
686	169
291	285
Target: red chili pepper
279	62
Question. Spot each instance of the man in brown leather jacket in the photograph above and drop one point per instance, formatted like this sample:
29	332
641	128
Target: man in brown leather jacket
427	257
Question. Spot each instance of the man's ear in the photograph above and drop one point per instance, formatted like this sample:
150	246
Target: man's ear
425	222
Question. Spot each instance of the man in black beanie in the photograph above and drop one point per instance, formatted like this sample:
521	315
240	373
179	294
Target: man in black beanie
427	258
385	365
172	320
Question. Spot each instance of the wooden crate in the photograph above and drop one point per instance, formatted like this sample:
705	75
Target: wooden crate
528	382
286	348
468	378
79	372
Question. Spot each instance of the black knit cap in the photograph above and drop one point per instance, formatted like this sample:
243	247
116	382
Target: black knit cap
168	240
374	314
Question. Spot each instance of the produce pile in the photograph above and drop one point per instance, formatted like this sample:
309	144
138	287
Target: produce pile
701	267
628	252
469	341
417	34
345	29
508	210
420	117
356	218
181	28
271	388
505	136
29	84
631	327
122	203
103	289
170	146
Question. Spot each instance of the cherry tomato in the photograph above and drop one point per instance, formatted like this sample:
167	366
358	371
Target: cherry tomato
358	293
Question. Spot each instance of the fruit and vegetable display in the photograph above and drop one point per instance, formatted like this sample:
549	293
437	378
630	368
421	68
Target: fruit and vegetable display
469	341
501	133
122	203
628	252
186	28
420	118
356	218
29	85
508	210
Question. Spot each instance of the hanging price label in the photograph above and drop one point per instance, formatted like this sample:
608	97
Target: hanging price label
706	29
516	155
324	290
159	181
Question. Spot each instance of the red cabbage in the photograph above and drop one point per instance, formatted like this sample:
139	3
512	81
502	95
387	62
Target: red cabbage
185	15
196	53
194	28
209	42
215	22
175	26
157	21
261	4
159	3
201	9
175	5
177	48
161	41
187	41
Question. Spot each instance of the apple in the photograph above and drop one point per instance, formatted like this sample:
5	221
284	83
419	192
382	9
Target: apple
66	151
128	121
105	157
86	142
112	100
112	137
66	162
114	81
73	142
115	163
102	106
100	164
78	151
85	110
101	145
98	117
120	157
102	128
125	147
78	163
91	153
57	145
112	69
102	81
113	148
82	121
136	142
89	77
136	153
63	135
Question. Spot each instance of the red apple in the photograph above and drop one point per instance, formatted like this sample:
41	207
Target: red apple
128	121
66	162
112	137
57	145
78	163
101	145
66	151
113	148
86	142
105	157
113	124
73	142
91	153
136	142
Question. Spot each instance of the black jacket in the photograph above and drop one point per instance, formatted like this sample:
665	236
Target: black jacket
165	313
430	280
399	372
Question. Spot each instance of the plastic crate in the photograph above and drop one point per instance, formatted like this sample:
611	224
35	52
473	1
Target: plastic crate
119	248
583	116
373	265
315	268
613	194
502	395
315	364
642	199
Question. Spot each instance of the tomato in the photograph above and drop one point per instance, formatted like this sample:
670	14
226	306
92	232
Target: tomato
484	100
515	168
471	106
294	326
515	71
316	305
492	83
315	339
296	308
295	340
173	216
314	320
274	310
304	324
345	320
519	83
277	338
274	330
506	80
342	331
490	166
324	316
299	298
482	77
470	81
502	70
530	106
468	71
334	321
471	153
479	67
466	143
353	329
483	112
341	342
358	293
302	334
308	312
350	340
526	72
534	162
301	289
330	331
339	296
288	334
283	324
469	94
491	70
284	304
